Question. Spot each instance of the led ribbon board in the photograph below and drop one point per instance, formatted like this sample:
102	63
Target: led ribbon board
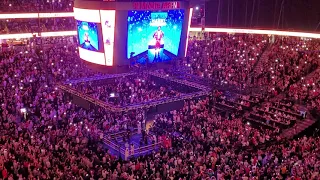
108	18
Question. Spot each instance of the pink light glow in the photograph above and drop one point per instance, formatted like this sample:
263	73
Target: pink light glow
259	31
35	15
44	34
60	33
189	23
19	15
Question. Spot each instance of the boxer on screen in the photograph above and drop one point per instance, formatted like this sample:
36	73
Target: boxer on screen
86	38
158	35
87	43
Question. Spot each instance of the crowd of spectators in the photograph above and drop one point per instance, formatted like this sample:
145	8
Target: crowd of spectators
35	25
45	136
128	90
34	6
307	91
307	88
214	147
226	58
11	26
289	60
278	114
231	59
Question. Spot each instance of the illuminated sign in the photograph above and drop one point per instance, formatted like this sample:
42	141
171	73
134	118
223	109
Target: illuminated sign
54	15
108	18
156	5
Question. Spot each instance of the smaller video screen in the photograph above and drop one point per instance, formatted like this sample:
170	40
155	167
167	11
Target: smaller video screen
88	35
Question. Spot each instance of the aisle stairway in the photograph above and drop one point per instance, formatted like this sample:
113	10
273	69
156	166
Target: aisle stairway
310	75
306	78
258	66
300	126
264	58
260	62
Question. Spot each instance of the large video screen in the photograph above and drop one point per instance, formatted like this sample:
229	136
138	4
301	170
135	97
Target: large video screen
154	35
88	35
